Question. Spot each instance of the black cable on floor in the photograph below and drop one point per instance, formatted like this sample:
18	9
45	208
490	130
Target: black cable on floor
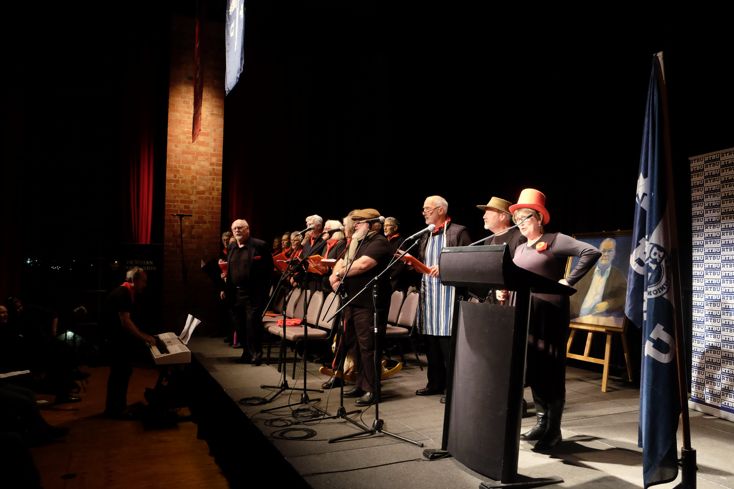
285	434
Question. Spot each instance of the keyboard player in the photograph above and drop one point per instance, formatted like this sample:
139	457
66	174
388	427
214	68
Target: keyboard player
124	338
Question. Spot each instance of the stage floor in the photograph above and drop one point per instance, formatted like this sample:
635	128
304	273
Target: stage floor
599	430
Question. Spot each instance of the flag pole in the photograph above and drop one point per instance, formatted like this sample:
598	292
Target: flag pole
688	454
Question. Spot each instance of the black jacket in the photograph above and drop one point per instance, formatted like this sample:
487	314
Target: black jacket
260	263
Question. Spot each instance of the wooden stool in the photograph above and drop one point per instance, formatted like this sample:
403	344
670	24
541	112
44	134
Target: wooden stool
600	324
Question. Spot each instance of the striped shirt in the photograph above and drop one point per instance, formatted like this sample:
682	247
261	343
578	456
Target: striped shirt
438	299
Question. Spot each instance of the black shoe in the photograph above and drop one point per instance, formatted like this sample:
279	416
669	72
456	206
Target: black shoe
57	431
356	392
79	375
537	431
258	360
548	441
426	391
66	399
122	415
245	359
333	382
368	399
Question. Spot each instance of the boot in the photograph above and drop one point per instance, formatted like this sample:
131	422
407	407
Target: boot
537	431
552	435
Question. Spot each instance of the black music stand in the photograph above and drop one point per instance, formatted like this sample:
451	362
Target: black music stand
489	344
341	412
254	401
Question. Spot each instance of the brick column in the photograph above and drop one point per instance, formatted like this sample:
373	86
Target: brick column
193	174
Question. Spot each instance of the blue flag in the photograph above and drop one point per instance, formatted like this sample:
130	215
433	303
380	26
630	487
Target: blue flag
650	305
234	40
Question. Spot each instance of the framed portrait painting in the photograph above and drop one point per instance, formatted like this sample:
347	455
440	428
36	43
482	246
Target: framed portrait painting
601	292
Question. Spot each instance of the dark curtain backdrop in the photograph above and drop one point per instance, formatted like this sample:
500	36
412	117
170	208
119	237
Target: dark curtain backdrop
377	105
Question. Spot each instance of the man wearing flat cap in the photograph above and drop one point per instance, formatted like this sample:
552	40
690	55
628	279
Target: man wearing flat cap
368	254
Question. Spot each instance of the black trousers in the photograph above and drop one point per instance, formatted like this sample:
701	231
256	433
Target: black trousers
121	369
247	319
546	353
438	355
360	339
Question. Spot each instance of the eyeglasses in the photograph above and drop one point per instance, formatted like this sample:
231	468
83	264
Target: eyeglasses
428	210
521	219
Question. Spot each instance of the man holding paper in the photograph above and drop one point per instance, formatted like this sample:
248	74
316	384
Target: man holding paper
437	300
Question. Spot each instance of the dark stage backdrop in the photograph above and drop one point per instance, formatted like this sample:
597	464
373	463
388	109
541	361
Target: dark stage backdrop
358	104
380	105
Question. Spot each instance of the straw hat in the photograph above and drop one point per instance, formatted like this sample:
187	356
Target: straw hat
497	204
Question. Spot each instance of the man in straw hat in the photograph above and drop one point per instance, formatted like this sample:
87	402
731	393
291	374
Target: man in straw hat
498	220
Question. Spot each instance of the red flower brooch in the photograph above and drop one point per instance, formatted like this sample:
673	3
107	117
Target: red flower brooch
541	246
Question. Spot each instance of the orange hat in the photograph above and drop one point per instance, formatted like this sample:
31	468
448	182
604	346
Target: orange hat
532	199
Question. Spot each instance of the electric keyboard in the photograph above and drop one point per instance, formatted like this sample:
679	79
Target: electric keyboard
169	350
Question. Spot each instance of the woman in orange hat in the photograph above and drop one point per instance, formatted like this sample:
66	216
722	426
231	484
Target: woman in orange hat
546	254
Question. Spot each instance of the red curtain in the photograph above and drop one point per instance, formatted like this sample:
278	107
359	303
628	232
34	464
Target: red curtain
141	187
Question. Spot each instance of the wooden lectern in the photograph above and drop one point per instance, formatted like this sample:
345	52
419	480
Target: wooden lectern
489	342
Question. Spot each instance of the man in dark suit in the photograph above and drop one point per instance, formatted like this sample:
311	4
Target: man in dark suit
249	267
603	291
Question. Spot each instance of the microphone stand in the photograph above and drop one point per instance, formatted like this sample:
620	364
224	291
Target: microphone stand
184	272
341	411
377	424
281	356
500	234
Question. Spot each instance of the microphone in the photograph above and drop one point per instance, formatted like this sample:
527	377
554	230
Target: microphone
426	229
307	229
511	227
182	215
375	219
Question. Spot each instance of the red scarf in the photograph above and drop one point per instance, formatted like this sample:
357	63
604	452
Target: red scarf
330	243
130	287
438	229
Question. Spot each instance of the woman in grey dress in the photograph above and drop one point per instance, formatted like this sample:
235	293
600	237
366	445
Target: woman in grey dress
546	254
